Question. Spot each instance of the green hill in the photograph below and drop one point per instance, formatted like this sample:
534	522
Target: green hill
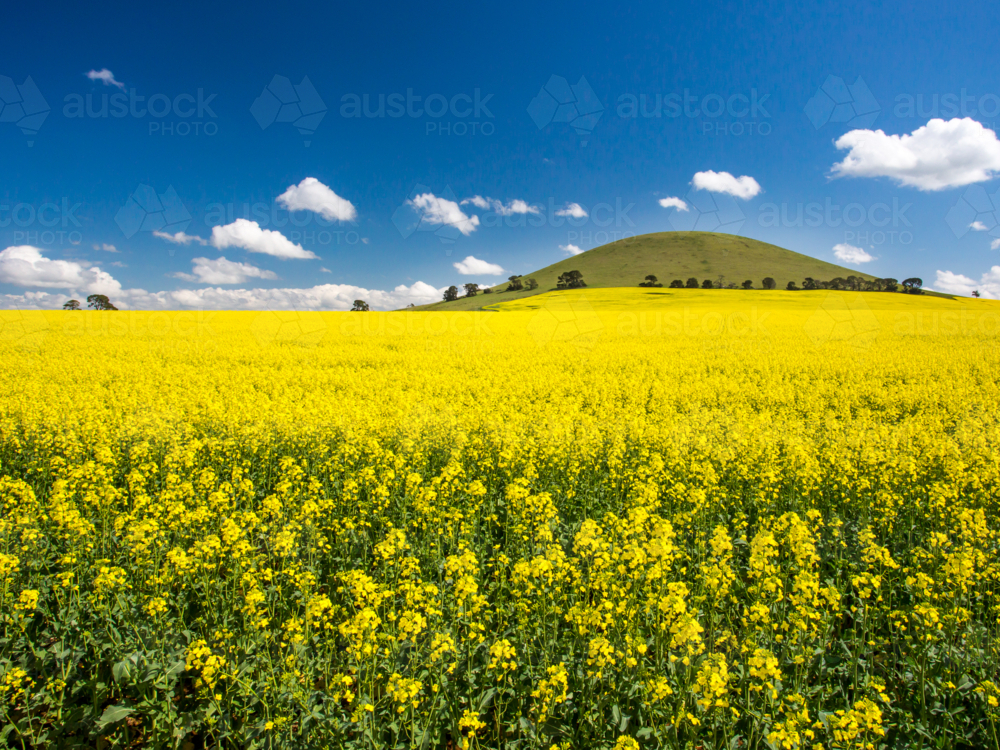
669	256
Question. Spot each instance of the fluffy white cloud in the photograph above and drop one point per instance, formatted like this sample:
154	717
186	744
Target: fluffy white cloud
995	245
313	195
675	203
249	236
978	226
722	182
955	283
573	210
223	271
472	266
435	210
941	154
25	265
106	76
478	201
106	247
851	254
516	206
179	238
571	249
322	297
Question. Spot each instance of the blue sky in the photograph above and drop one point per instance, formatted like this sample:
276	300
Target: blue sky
532	109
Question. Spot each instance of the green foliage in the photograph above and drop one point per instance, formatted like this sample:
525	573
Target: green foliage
570	280
99	302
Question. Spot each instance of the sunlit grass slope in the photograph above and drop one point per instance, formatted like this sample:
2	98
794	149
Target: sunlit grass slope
674	255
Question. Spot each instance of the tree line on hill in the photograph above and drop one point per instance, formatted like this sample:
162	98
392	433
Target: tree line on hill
853	283
568	280
574	280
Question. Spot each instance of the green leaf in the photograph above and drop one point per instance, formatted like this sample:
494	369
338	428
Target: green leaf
487	699
113	714
125	670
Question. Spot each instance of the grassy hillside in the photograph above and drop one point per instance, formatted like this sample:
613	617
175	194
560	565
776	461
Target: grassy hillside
668	256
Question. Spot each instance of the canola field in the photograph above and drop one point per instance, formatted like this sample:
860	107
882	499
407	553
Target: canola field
598	519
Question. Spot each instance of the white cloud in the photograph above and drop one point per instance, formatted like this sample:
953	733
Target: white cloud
941	154
322	297
106	247
574	210
325	270
851	254
313	195
223	271
722	182
955	283
25	265
179	238
516	206
571	249
437	210
472	266
675	203
978	226
478	201
249	236
995	245
106	76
